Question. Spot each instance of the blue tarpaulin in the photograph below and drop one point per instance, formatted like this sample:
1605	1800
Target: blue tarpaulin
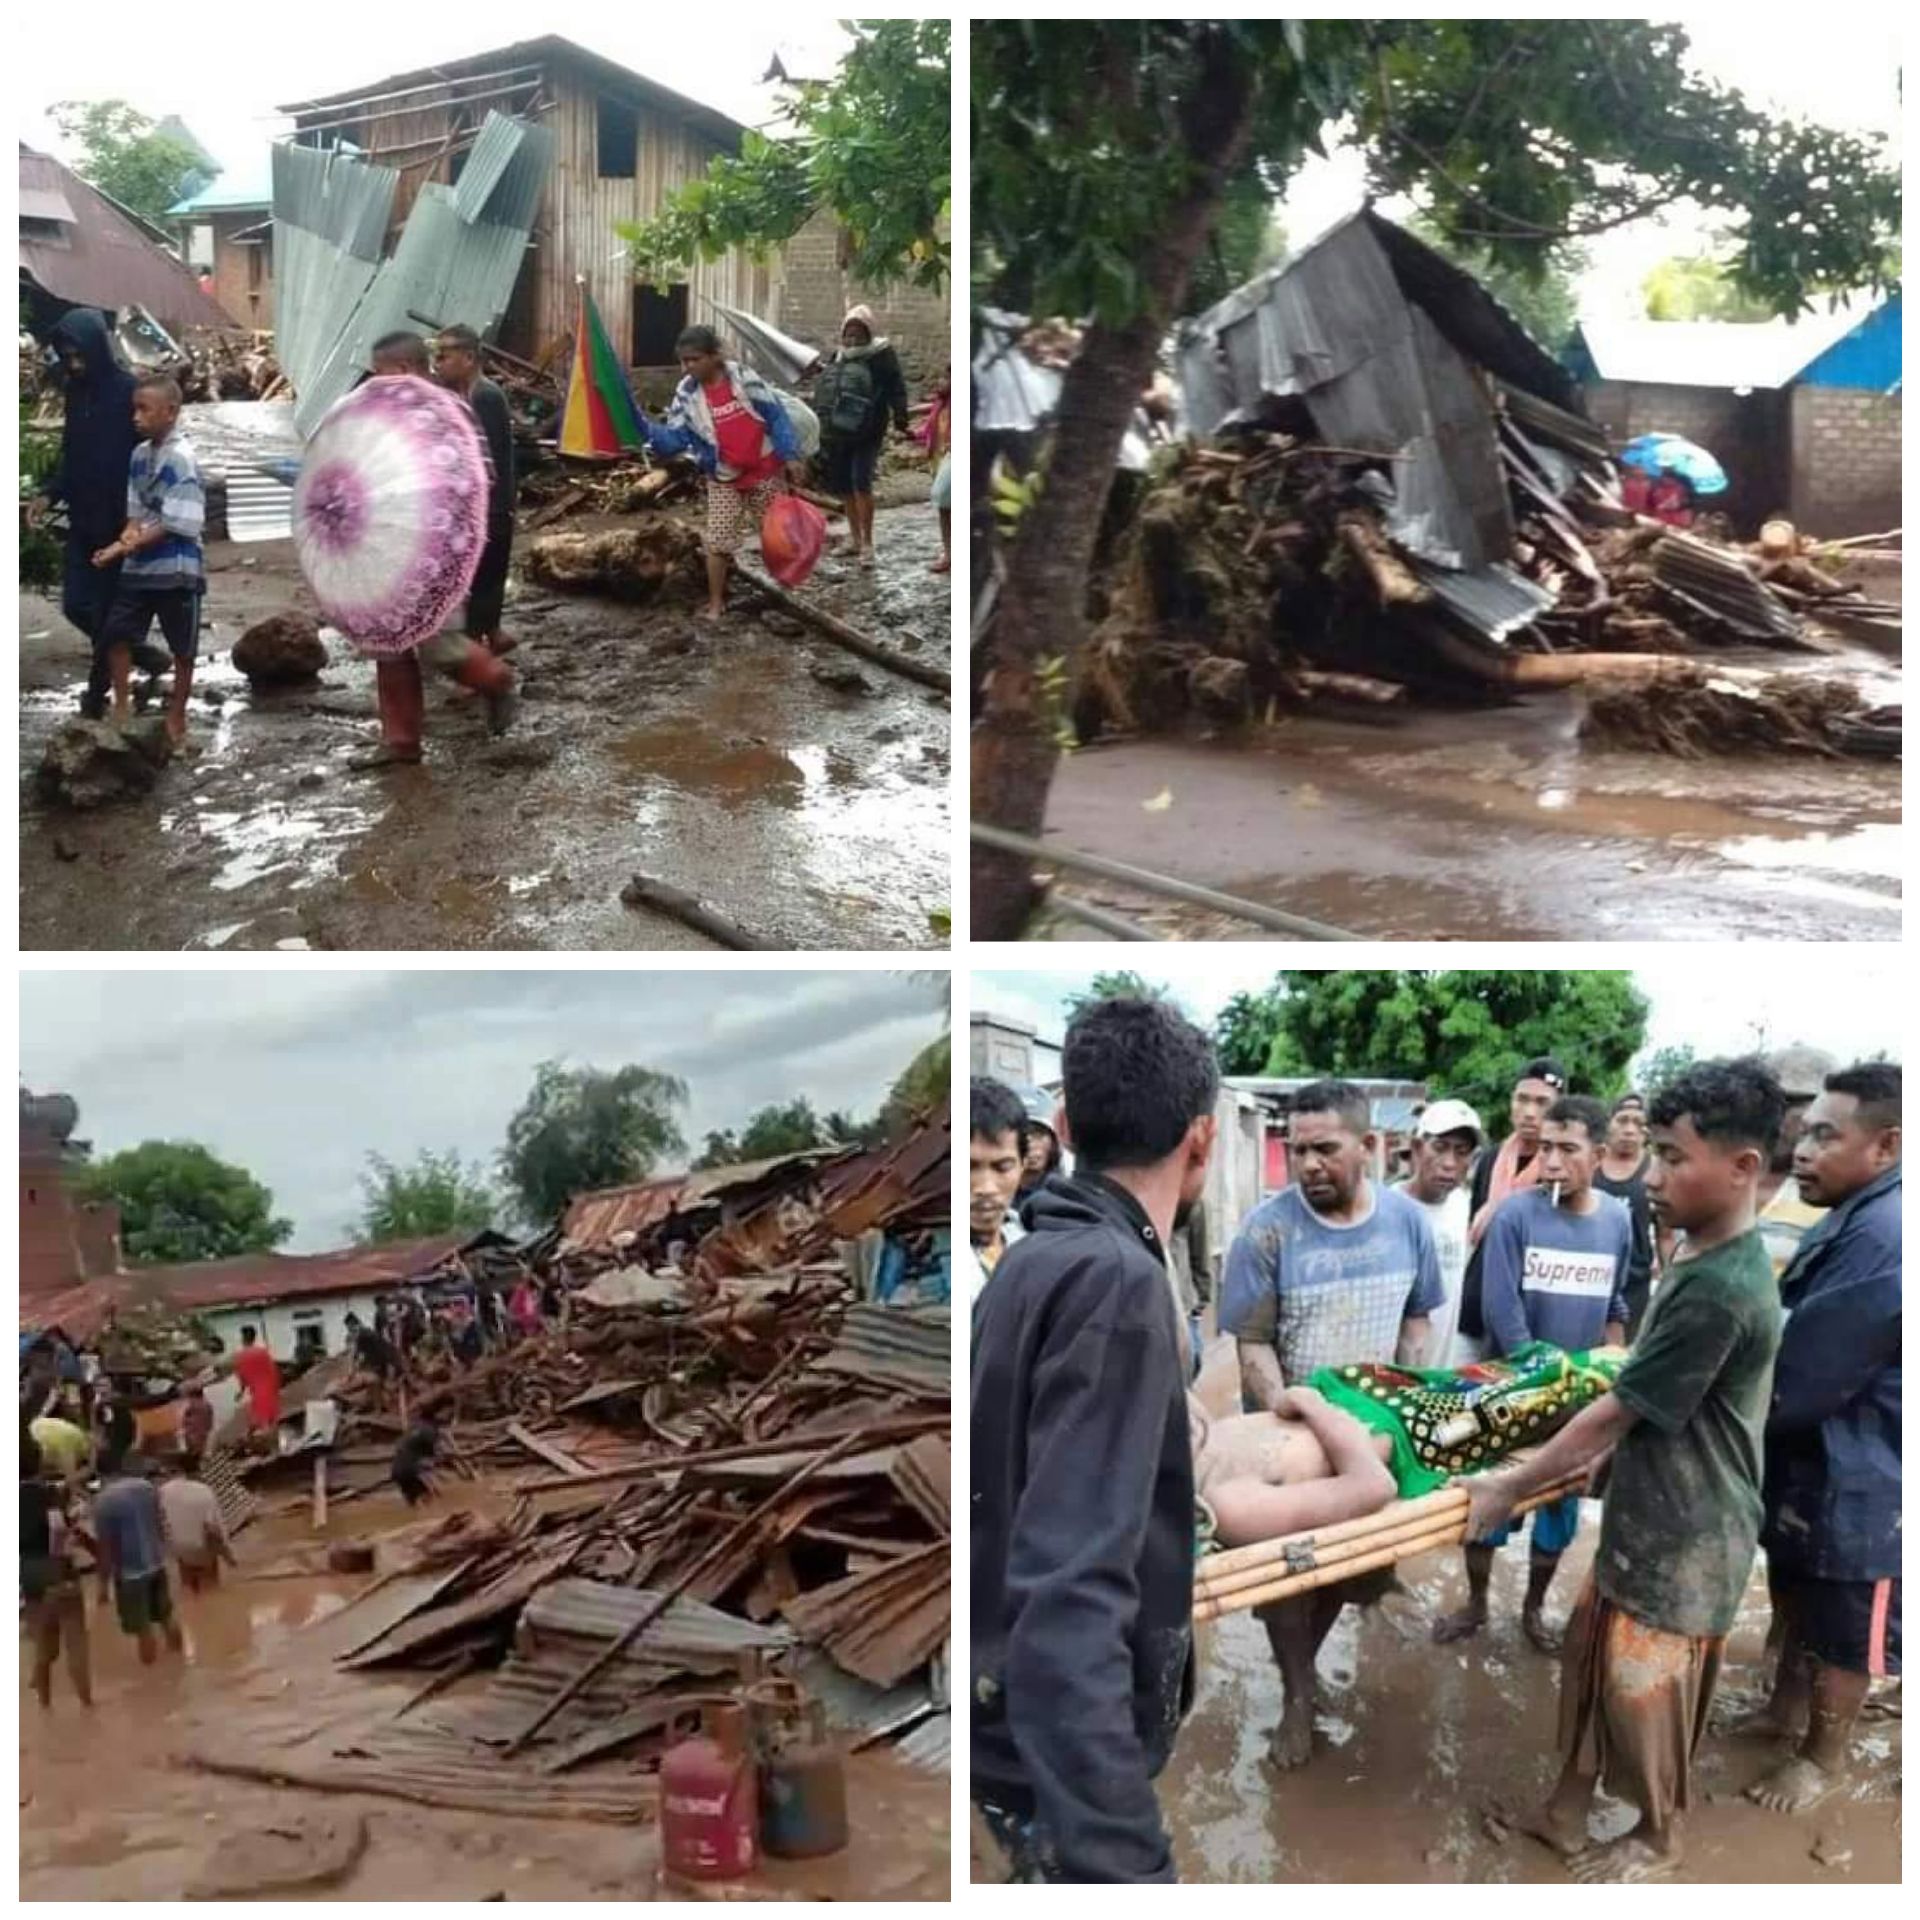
1658	453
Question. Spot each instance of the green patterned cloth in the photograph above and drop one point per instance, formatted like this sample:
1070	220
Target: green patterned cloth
1446	1421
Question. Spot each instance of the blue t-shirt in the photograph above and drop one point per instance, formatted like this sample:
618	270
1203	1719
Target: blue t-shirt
126	1522
1327	1295
1547	1274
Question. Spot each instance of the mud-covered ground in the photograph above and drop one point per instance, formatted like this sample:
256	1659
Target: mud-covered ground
110	1811
1496	824
1415	1744
813	815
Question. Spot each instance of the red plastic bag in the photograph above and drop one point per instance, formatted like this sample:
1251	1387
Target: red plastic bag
792	538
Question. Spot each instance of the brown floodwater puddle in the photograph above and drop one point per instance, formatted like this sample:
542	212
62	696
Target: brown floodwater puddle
736	773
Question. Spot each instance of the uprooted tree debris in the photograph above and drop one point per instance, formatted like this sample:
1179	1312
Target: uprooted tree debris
730	1474
1257	573
1695	710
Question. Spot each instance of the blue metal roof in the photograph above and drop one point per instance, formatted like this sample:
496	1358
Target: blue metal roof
1868	357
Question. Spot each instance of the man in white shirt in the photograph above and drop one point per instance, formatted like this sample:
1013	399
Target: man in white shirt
196	1535
1446	1136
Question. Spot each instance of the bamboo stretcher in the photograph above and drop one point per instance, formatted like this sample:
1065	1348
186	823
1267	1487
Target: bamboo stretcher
1299	1563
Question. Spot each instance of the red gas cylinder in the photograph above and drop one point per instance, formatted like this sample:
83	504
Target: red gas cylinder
709	1801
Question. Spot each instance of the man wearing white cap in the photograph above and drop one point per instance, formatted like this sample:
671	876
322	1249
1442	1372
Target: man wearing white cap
1446	1136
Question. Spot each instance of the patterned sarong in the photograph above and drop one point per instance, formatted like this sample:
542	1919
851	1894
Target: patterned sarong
1445	1421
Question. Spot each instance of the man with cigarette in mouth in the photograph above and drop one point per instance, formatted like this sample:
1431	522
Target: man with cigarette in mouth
1554	1264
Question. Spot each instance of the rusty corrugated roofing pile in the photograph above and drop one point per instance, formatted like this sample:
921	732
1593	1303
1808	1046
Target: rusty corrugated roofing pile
717	1477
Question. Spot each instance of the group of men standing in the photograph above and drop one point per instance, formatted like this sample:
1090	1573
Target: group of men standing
1753	1408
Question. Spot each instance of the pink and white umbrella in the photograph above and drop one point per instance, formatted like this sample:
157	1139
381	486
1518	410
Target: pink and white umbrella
390	512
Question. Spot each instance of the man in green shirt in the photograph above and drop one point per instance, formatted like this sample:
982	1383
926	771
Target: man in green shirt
1683	1426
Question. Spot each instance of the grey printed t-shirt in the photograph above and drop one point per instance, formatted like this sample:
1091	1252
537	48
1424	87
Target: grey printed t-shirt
1326	1295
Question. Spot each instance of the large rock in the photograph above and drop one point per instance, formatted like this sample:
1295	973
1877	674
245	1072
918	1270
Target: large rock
284	650
88	763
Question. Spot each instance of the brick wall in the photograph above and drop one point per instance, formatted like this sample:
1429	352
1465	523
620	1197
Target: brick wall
63	1241
234	269
1846	461
1749	434
815	290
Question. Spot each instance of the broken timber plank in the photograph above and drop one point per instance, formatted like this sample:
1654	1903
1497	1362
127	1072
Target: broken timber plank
848	637
545	1450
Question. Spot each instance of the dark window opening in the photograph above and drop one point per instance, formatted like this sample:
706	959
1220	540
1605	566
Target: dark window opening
616	141
659	317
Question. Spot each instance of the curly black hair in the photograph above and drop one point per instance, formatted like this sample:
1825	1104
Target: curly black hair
1136	1075
1731	1101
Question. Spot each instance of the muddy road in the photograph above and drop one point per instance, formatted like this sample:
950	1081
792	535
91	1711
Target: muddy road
109	1810
1415	1743
1496	824
799	790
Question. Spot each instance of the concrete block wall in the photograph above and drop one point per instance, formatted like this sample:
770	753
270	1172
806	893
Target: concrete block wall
815	291
233	267
1629	408
1846	461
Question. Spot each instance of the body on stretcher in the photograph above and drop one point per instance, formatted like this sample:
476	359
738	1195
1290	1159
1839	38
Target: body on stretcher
1299	1563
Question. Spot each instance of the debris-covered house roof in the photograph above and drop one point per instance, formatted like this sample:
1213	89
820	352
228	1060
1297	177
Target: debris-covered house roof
1391	348
80	248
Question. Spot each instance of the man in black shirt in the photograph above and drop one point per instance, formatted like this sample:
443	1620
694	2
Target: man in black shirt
1083	1499
456	365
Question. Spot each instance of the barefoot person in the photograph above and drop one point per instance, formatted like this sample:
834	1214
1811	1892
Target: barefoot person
162	573
132	1538
1683	1425
1330	1270
1832	1530
740	437
857	391
1083	1502
53	1607
190	1512
1554	1267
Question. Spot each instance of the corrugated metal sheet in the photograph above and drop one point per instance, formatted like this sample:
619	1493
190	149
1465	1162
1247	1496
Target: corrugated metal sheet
1011	394
1868	359
593	1220
856	1706
456	261
492	152
259	506
1711	581
330	218
96	254
596	1610
1495	601
778	356
894	1347
930	1745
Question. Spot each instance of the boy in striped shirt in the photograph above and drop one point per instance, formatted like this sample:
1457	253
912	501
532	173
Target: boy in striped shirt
161	571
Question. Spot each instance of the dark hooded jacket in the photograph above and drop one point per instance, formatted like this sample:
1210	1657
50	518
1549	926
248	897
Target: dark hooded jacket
97	445
1082	1532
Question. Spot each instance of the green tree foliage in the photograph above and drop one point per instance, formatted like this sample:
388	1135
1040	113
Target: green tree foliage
178	1202
582	1128
790	1128
1698	287
921	1089
1662	1067
1540	294
1465	1032
1122	984
122	155
1248	237
870	146
1245	1029
438	1193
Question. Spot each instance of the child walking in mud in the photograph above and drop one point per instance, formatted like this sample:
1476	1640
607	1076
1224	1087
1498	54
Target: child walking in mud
162	571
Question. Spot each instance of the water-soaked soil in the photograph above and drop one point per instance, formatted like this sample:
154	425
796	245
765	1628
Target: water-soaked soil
1415	1743
814	815
107	1812
1497	824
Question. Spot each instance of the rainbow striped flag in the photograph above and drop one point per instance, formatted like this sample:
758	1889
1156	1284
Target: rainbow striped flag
600	417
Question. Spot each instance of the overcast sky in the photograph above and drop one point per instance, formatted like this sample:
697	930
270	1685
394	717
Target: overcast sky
224	66
1842	72
1847	1000
298	1075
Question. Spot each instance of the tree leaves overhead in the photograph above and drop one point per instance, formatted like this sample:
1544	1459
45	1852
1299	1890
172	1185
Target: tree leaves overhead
1466	1033
582	1128
439	1193
178	1203
122	155
870	146
1517	135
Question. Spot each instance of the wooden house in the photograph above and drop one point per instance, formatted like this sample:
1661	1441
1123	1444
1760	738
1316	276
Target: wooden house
622	146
